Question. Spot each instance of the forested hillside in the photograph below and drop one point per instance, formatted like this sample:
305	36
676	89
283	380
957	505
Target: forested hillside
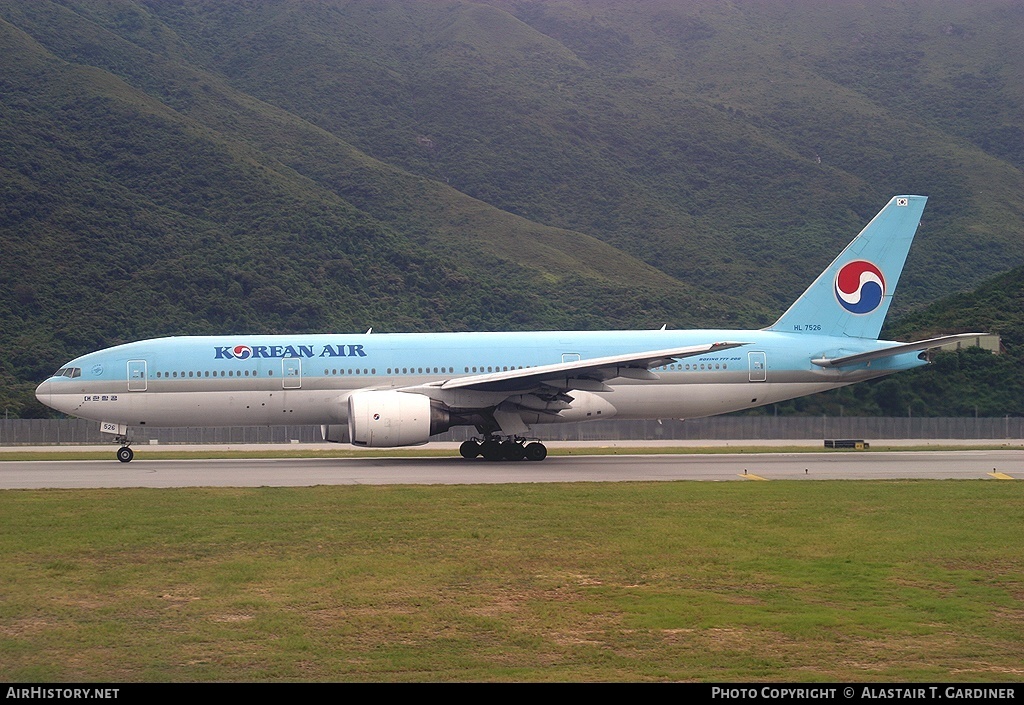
728	144
971	381
196	166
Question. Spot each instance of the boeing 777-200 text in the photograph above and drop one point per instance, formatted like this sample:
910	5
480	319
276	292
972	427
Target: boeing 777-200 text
388	390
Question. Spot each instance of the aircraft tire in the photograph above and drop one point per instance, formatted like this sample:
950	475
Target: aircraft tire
469	449
536	451
510	450
491	450
125	454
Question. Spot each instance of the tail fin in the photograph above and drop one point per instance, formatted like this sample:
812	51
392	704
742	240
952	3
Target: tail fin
851	297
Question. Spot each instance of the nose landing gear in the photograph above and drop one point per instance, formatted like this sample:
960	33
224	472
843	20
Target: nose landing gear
124	453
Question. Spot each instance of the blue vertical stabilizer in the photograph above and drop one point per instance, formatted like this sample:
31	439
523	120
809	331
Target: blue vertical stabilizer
852	296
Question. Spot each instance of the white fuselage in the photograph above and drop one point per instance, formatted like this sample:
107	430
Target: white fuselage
303	379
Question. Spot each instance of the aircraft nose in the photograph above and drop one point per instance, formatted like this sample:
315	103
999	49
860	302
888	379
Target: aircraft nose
43	392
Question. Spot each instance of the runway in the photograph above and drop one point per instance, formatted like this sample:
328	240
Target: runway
296	472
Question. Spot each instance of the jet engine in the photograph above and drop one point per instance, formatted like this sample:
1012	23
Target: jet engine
385	419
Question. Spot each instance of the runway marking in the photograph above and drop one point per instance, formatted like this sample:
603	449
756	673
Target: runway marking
748	476
1001	476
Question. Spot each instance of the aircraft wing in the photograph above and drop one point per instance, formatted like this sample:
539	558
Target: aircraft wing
501	397
894	350
585	375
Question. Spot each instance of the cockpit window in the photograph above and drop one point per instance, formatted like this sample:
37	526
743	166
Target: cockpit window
70	372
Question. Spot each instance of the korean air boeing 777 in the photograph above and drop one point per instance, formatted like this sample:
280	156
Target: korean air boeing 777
387	390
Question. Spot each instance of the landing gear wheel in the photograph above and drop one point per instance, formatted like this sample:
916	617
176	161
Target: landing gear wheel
536	451
491	449
125	454
510	450
469	449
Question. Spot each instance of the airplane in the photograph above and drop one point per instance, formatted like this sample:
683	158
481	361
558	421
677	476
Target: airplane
399	389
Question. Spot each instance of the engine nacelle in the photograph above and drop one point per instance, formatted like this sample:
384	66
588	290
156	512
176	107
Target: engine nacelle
389	419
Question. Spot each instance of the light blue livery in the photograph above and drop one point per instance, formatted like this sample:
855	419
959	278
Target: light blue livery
387	390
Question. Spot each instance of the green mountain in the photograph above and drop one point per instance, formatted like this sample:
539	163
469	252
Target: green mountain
195	166
718	142
973	381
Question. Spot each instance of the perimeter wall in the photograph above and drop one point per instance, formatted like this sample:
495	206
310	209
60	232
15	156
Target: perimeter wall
78	431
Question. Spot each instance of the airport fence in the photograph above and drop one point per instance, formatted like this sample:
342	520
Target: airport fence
81	432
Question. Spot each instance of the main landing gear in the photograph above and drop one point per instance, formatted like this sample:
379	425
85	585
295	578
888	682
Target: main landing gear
124	453
496	448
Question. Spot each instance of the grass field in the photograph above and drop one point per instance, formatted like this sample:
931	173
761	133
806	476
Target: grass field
781	581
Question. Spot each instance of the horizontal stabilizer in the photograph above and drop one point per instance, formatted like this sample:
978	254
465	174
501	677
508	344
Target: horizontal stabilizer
894	350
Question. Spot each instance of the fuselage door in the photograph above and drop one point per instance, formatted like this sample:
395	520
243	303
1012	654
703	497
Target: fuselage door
137	381
291	371
758	366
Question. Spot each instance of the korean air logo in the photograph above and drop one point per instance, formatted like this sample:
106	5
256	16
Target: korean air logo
860	287
241	352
